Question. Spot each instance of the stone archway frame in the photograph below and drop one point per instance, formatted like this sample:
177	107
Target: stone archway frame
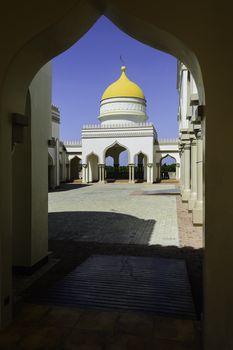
44	41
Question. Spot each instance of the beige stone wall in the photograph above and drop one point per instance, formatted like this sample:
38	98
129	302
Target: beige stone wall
30	176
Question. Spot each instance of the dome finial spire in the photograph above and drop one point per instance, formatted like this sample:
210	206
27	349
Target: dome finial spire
123	67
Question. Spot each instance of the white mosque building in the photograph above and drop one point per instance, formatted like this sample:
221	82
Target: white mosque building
123	126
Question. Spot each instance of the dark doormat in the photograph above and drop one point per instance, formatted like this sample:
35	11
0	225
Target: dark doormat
150	285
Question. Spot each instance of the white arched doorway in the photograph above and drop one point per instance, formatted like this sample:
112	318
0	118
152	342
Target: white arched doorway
75	168
168	168
140	161
92	168
119	170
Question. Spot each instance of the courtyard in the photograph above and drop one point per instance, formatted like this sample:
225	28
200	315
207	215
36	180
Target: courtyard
120	234
114	213
122	213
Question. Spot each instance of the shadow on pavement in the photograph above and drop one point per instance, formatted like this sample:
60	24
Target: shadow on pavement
102	227
68	187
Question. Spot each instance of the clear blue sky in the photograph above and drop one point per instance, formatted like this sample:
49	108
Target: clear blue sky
81	74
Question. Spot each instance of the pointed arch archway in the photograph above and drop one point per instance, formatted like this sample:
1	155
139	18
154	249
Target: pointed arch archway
45	42
140	161
75	168
92	168
168	171
118	152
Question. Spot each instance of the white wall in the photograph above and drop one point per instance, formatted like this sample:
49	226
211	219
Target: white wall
134	145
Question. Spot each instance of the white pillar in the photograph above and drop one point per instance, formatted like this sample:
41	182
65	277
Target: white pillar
84	173
198	206
100	172
103	173
181	169
193	195
186	189
177	171
132	172
150	173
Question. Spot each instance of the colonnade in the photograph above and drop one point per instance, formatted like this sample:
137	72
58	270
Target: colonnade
147	174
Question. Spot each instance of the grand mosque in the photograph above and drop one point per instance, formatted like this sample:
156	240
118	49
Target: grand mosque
123	126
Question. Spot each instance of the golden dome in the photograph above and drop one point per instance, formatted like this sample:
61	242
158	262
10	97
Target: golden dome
123	87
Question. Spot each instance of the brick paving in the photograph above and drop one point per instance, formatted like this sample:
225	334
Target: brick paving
189	235
114	213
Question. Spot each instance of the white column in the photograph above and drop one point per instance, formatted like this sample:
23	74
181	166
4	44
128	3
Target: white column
186	188
177	171
103	173
198	206
130	174
149	173
84	173
181	168
193	195
100	172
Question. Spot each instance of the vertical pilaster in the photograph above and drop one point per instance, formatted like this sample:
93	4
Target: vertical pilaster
193	195
186	189
181	167
198	206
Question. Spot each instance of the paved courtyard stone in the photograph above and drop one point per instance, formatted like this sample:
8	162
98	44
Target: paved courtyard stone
114	213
